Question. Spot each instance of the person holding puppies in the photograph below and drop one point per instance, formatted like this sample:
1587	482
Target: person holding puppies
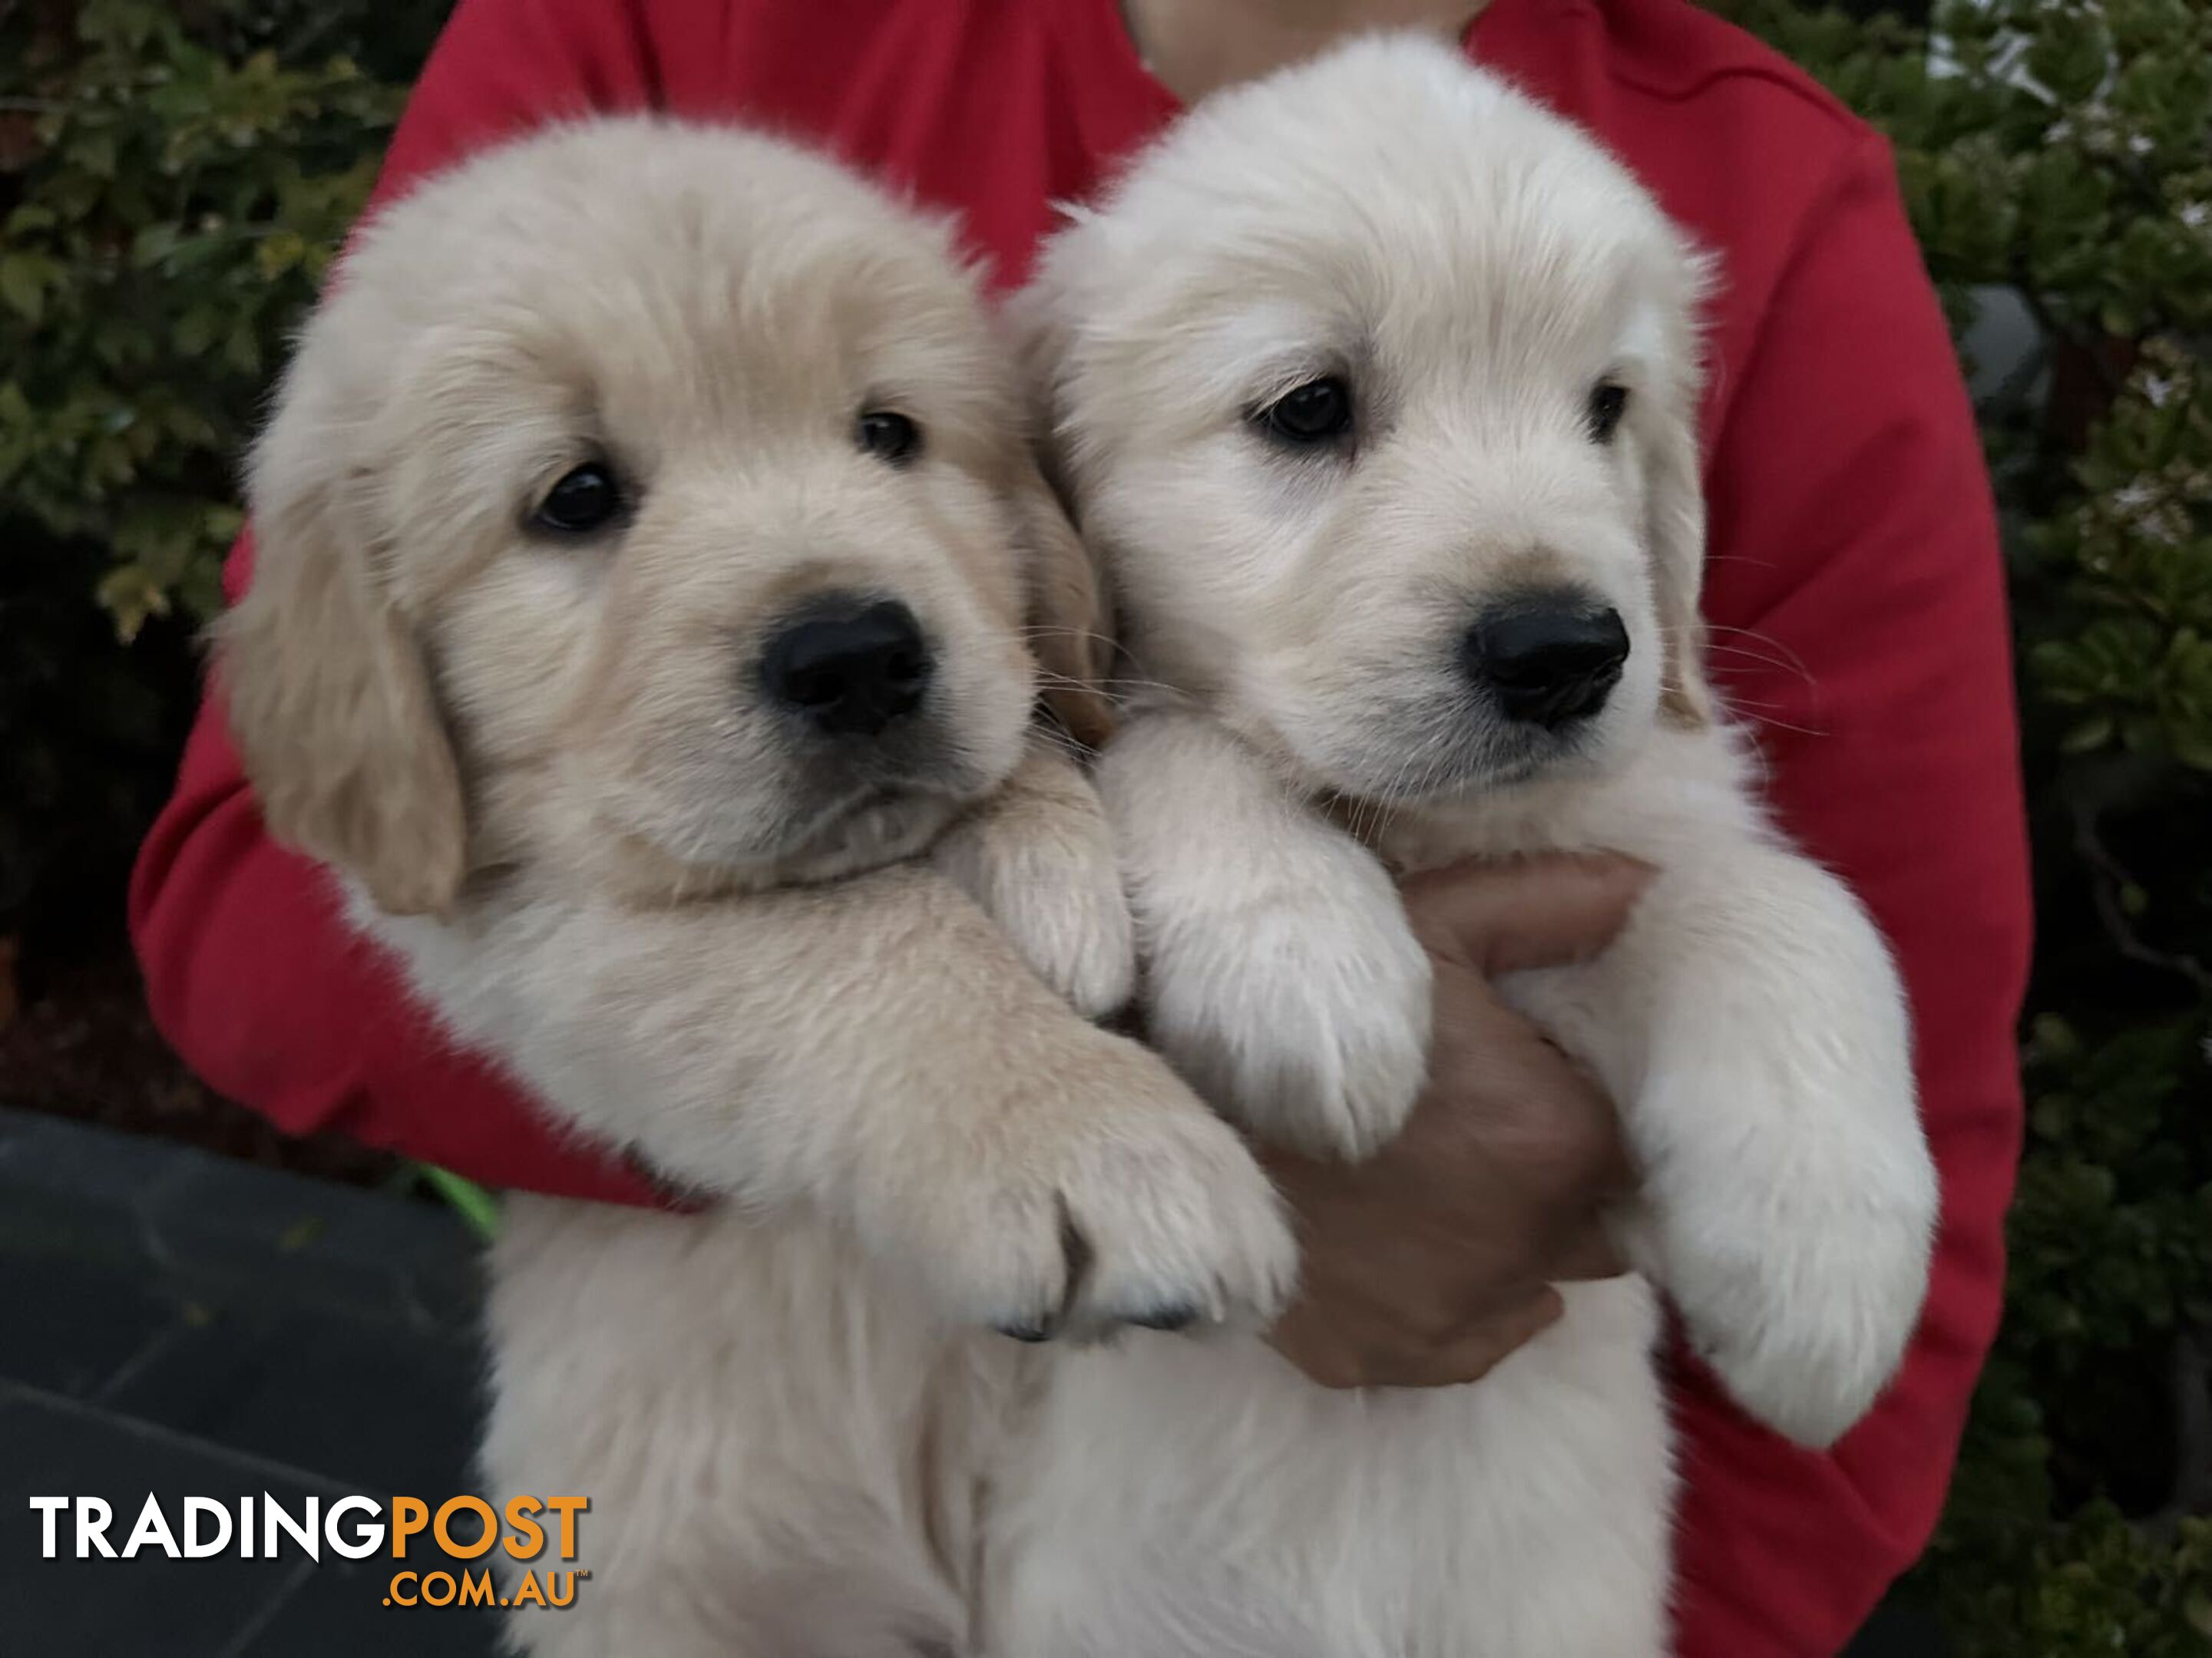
1855	599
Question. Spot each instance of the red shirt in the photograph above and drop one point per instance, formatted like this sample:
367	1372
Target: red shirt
1854	588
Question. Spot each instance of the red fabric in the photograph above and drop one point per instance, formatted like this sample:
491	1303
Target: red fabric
1854	587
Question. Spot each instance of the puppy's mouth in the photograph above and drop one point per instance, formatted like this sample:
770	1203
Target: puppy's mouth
871	826
1444	754
877	814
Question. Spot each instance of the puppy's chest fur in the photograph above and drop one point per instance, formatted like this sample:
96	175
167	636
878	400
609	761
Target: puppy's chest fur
1452	1523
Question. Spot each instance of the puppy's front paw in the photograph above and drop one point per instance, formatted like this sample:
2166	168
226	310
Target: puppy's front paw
1301	1010
1118	1199
1049	881
1799	1278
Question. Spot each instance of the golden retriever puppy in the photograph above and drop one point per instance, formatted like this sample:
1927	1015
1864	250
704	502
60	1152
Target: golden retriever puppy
650	561
1374	386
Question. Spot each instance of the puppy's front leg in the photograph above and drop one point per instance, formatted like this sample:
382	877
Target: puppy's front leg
1038	857
1750	1022
1281	974
874	1049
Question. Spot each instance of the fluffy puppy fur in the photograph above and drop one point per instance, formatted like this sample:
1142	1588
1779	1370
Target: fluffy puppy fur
1501	324
592	428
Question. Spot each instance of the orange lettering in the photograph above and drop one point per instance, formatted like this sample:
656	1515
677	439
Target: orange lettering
476	1506
409	1515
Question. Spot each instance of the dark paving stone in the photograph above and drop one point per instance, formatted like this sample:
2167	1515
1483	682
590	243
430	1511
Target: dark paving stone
149	1606
226	1225
376	1405
215	1228
186	1325
56	1155
82	1302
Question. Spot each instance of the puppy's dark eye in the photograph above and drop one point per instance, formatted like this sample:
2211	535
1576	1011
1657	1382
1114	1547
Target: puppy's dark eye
1607	403
1309	414
587	498
888	435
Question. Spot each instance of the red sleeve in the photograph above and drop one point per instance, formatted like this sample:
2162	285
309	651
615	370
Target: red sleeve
250	971
1859	610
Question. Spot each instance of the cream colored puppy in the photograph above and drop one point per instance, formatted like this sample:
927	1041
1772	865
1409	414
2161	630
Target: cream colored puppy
1374	386
648	551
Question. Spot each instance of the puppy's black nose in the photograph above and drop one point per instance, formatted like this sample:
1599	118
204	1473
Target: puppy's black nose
852	668
1548	658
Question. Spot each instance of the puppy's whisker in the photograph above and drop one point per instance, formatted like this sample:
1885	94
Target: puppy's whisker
1159	685
1785	658
1113	684
1051	630
1790	664
1756	713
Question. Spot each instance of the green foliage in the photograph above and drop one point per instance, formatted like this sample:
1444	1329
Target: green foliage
171	216
2062	149
173	180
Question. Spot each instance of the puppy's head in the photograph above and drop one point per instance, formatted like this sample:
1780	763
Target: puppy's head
653	501
1374	384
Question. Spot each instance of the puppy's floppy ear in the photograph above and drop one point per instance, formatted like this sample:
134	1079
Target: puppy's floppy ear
330	697
1070	620
1071	616
1675	531
1675	495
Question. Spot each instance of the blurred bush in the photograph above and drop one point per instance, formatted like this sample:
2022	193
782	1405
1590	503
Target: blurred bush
173	177
2057	160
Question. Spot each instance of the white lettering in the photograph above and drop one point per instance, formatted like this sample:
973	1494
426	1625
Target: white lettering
49	1507
195	1549
370	1538
93	1515
152	1528
307	1536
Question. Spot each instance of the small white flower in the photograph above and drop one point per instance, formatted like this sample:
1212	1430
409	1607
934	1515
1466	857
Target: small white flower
2138	145
2158	389
2195	215
2167	525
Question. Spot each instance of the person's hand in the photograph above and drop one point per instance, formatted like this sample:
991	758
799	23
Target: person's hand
1435	1259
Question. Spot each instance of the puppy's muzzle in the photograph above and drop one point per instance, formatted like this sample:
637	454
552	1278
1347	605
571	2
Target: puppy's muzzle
1547	659
849	666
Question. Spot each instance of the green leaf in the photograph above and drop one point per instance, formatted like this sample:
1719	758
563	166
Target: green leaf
474	1204
2192	746
154	244
23	287
130	596
195	330
279	253
2089	734
2196	1607
96	155
241	352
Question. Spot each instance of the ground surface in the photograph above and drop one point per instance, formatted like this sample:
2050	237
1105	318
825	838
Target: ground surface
187	1324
